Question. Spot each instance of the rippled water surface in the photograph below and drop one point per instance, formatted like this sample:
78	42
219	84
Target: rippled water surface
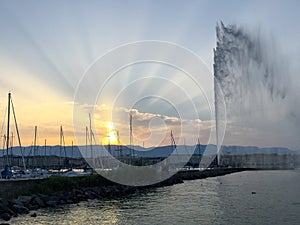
251	197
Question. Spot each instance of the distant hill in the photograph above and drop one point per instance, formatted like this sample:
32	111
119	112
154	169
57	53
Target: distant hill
162	151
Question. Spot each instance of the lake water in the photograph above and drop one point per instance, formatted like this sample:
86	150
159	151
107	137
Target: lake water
251	197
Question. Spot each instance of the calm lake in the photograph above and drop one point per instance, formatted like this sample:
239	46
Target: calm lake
251	197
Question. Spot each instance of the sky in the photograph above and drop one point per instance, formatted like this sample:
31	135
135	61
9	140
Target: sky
46	48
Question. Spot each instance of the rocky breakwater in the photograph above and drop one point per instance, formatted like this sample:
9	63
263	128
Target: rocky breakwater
25	204
58	191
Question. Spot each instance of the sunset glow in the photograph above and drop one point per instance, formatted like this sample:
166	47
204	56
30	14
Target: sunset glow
42	66
111	133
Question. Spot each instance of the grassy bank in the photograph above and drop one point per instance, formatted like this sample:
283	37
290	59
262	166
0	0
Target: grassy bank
22	196
13	188
58	183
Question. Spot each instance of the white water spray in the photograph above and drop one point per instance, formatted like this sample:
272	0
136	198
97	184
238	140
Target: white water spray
254	77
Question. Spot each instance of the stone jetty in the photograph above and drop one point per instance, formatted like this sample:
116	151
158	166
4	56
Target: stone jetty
17	203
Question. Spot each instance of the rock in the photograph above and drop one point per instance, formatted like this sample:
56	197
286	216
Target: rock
20	209
42	196
11	212
3	208
89	194
53	198
3	202
5	216
51	203
33	207
6	209
33	215
25	200
69	201
78	192
61	202
38	201
75	200
66	198
79	197
14	202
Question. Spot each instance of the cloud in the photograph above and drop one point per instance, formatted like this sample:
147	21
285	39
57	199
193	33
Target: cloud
148	128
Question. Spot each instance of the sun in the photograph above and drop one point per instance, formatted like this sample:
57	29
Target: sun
111	138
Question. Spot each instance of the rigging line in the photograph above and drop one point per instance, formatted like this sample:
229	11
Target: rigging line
7	129
63	141
174	146
92	149
99	154
199	148
4	143
131	138
91	137
87	137
18	133
3	122
35	150
3	135
186	151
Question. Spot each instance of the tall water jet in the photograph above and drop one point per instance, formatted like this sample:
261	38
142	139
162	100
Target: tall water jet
254	79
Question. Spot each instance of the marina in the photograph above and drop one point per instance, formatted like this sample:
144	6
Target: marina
147	112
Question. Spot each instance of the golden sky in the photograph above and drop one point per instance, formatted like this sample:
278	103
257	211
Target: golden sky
46	47
148	129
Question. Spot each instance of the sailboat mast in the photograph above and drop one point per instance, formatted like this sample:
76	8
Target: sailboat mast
86	140
35	148
131	139
174	147
119	145
173	143
8	124
90	128
18	133
64	146
199	147
60	145
72	152
91	140
45	153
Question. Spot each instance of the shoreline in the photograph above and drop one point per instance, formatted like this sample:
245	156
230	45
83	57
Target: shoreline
59	191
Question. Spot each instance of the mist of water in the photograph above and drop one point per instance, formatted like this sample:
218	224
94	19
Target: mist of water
255	79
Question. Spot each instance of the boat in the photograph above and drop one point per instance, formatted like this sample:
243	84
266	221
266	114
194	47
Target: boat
11	171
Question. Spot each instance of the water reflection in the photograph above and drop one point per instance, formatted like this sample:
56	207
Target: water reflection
178	204
219	200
